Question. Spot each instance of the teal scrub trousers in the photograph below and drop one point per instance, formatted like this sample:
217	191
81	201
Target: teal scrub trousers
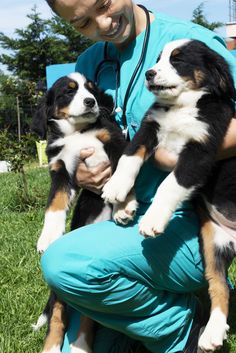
134	287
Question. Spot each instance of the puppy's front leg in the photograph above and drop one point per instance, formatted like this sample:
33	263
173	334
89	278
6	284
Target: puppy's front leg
60	196
138	150
193	167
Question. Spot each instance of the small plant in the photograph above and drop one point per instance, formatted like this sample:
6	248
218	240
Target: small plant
18	153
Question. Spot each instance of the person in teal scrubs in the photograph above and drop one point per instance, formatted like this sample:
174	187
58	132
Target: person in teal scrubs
136	288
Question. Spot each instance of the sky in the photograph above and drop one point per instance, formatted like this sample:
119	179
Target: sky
13	13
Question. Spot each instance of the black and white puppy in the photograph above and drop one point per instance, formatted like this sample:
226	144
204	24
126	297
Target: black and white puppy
74	115
194	105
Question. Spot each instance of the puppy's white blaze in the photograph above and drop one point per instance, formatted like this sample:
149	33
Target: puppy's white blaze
42	320
170	194
54	349
166	73
80	345
77	106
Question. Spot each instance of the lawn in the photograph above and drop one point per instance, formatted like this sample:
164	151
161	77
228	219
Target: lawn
23	292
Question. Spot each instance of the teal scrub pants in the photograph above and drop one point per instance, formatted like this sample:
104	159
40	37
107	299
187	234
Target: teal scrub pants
135	287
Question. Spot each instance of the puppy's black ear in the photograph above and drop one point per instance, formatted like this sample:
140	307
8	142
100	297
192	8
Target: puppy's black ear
221	81
106	101
39	122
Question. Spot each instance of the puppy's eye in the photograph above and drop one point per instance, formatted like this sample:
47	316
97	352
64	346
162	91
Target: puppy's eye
72	85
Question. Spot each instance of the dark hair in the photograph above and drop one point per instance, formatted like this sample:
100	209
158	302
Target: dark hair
52	3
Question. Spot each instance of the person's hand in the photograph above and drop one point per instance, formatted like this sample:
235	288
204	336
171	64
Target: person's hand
94	178
228	149
165	160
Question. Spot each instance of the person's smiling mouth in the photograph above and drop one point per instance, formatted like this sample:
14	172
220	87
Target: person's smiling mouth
116	31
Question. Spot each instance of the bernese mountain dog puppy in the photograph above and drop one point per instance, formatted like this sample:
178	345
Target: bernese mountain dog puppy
74	115
194	105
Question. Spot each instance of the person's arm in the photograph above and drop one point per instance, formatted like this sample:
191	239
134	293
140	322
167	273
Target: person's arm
92	179
228	148
167	161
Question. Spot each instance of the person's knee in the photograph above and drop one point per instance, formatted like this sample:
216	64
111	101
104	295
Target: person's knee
52	267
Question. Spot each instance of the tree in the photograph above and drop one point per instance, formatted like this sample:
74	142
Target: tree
199	18
41	43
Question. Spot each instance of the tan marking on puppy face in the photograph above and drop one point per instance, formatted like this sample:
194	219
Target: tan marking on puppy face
90	84
218	290
141	152
197	81
104	135
175	52
72	84
60	202
199	77
56	166
62	113
57	327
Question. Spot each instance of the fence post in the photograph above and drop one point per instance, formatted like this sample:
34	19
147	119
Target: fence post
18	117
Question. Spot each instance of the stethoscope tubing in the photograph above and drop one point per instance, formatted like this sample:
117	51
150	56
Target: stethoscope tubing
117	63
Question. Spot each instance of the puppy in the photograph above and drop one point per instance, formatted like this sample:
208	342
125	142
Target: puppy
75	114
194	105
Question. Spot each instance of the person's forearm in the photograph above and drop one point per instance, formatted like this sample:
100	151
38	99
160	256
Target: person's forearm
228	148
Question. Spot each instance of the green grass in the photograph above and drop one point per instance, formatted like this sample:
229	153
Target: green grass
23	292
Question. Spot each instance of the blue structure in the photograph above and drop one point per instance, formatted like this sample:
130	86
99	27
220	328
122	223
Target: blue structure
53	72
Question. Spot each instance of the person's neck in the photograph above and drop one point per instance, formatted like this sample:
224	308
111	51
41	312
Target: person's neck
140	24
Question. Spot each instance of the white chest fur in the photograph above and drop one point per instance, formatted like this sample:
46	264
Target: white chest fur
178	126
73	144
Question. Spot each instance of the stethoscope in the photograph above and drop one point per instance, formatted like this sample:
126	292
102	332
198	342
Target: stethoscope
106	60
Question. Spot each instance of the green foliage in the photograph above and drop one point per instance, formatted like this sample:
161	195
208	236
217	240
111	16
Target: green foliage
199	18
41	43
18	153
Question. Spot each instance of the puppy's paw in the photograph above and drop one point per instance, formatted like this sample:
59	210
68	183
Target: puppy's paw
214	334
116	189
149	226
80	346
46	239
124	213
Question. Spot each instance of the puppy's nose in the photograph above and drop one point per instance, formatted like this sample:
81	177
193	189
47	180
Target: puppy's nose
89	102
150	74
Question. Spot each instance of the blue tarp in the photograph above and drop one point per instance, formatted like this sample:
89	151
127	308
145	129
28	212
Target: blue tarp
53	72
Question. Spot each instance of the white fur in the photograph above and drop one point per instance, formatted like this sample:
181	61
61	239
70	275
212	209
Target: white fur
42	320
54	227
124	212
215	331
122	181
178	126
105	215
168	197
77	107
222	237
54	349
80	345
73	144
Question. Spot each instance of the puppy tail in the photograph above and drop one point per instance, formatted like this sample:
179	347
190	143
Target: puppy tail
42	320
